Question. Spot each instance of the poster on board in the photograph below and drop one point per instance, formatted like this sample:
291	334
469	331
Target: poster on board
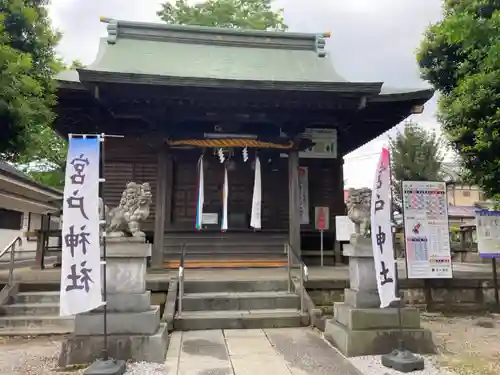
427	237
488	233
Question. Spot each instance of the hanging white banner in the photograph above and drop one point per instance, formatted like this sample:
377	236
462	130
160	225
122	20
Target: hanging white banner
225	194
81	253
201	195
255	220
381	228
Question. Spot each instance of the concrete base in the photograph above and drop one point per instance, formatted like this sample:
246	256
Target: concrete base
403	361
86	349
109	367
357	332
119	323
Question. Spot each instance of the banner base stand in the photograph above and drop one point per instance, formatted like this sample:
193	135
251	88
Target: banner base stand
106	367
403	360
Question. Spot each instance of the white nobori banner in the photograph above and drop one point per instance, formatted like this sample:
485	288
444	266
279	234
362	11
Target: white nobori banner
81	253
381	228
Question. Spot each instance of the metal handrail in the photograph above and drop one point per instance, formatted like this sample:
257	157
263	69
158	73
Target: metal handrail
181	277
12	248
304	273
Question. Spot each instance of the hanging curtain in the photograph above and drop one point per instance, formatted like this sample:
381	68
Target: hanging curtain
255	220
225	193
201	195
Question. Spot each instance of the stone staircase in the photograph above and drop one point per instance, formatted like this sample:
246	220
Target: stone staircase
238	305
32	314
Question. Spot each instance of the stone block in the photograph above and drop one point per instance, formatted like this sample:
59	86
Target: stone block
362	299
127	247
362	274
364	319
125	302
353	343
86	349
126	275
359	246
119	323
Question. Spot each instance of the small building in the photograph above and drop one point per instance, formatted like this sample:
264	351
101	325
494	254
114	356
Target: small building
25	205
178	92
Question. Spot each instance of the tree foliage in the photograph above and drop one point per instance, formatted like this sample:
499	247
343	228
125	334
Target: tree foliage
239	14
460	56
27	67
416	155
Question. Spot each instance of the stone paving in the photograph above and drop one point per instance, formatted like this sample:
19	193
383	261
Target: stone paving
279	351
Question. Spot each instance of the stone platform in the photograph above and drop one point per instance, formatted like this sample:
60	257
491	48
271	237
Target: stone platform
372	331
360	326
134	328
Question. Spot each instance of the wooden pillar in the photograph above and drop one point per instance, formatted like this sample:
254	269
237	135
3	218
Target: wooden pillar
161	184
339	208
294	201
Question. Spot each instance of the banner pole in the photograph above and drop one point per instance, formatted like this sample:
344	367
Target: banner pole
105	355
104	365
321	235
400	359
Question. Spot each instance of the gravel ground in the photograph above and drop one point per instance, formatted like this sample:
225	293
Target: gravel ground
38	356
371	365
466	345
469	345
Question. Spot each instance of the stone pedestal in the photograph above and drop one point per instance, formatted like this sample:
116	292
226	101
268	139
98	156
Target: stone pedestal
360	326
134	328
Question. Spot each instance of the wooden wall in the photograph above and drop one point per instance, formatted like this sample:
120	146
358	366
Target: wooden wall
325	189
129	160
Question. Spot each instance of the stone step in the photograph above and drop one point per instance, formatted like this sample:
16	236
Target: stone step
241	251
249	319
238	286
36	297
239	301
226	236
18	309
33	321
39	331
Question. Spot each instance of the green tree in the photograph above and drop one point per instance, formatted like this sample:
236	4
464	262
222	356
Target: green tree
77	64
416	155
27	67
460	56
239	14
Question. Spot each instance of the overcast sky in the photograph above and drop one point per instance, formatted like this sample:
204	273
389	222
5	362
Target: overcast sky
372	40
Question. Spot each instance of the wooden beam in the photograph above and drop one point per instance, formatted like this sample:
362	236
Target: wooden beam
294	201
161	186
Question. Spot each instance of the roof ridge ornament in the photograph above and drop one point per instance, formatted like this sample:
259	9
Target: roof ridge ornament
320	43
112	29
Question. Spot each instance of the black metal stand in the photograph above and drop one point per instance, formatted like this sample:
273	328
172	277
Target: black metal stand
495	282
401	359
105	365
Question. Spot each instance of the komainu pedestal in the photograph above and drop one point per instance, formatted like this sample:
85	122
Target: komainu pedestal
360	326
134	328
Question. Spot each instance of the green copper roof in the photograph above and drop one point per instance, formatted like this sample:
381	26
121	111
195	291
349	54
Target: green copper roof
205	52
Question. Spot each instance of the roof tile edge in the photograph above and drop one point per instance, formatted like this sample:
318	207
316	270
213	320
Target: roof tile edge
213	35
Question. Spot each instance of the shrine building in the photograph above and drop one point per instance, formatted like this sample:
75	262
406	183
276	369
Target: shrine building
174	93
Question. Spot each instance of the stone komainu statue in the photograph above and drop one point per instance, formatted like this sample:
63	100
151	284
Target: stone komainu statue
124	220
358	209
